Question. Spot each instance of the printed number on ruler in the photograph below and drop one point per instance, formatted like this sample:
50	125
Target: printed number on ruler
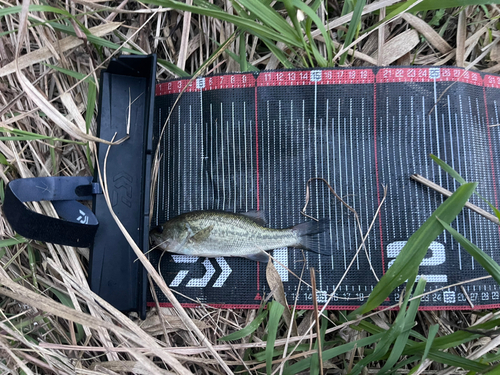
438	256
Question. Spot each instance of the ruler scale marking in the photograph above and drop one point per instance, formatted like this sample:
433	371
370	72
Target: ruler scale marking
445	133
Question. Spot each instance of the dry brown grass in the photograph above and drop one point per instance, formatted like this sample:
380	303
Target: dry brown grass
50	320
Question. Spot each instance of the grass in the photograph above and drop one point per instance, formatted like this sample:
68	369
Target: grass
50	322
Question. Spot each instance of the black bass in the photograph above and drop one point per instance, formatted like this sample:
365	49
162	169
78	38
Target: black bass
224	234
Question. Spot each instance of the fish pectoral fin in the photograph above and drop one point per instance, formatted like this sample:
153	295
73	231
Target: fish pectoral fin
201	235
258	217
261	256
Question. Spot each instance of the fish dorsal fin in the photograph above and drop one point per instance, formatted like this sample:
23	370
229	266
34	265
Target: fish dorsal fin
201	235
261	256
259	217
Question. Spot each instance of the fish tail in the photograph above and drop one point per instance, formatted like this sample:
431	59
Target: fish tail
310	238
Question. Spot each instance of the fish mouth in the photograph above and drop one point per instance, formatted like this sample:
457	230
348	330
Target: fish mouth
170	245
160	243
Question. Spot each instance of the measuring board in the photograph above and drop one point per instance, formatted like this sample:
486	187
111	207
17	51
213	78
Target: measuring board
247	141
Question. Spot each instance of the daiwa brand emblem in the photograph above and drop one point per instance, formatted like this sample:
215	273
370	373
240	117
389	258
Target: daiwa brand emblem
83	218
205	279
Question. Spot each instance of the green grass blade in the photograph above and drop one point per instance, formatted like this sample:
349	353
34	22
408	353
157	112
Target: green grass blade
22	135
275	312
66	301
494	371
248	329
97	41
3	159
443	4
353	26
269	17
397	334
314	17
416	248
261	356
241	22
292	13
433	330
392	12
460	179
249	67
445	167
13	241
282	57
408	319
479	255
315	358
71	73
457	361
452	340
331	353
91	100
404	363
399	330
172	68
32	263
243	53
445	342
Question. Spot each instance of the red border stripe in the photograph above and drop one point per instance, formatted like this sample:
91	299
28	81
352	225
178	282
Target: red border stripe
426	75
329	307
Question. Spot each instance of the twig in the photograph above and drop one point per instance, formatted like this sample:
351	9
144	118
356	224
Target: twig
448	193
466	296
316	313
300	339
282	365
303	212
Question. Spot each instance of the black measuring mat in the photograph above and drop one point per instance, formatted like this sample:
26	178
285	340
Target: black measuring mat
247	141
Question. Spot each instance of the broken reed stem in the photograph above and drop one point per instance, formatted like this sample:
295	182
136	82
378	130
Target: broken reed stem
316	314
448	193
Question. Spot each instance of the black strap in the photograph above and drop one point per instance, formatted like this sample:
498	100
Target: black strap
80	224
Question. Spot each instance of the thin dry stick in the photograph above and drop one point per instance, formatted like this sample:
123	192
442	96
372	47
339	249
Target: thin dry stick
5	348
345	272
111	55
457	80
293	314
448	193
318	328
381	38
305	282
35	95
461	36
160	314
260	344
346	48
345	19
156	160
467	296
186	26
154	274
303	212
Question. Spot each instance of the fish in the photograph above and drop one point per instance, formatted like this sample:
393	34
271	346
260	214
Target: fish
214	234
